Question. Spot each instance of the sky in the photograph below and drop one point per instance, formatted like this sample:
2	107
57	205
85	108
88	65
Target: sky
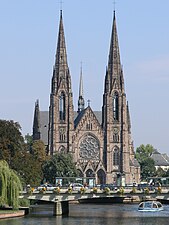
28	41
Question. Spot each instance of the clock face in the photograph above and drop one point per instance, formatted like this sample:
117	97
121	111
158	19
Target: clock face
115	130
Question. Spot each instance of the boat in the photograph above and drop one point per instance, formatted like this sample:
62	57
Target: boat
150	206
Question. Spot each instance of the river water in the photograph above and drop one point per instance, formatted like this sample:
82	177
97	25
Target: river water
91	214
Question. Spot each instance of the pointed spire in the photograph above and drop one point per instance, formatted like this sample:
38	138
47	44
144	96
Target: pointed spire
81	102
128	119
36	122
81	83
61	56
114	64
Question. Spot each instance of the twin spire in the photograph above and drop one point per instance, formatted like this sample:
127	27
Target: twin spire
114	70
61	55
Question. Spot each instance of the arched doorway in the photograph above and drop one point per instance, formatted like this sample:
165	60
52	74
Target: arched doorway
90	178
101	177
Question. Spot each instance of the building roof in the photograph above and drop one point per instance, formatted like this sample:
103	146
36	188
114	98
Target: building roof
44	121
159	159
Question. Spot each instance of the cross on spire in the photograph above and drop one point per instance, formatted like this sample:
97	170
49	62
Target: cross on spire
61	4
114	3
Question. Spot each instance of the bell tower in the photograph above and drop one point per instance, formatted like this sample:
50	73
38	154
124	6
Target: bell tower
115	117
61	119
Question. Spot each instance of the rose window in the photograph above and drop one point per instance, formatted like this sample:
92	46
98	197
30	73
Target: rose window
89	148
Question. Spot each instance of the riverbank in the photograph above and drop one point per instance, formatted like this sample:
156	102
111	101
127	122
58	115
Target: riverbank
4	214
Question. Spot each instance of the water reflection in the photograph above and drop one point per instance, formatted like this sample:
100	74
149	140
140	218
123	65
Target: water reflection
83	214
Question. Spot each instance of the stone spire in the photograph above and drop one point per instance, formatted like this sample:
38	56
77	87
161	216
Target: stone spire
61	70
36	122
81	102
128	119
61	110
61	56
114	64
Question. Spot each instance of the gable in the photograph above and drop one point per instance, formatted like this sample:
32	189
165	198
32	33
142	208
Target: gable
87	120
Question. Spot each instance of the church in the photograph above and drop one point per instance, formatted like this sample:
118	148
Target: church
99	141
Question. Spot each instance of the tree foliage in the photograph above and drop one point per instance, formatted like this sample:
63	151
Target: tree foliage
10	185
11	140
38	150
29	164
25	158
147	164
160	172
59	165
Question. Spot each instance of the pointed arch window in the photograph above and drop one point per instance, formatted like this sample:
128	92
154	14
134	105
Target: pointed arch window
116	106
116	157
62	107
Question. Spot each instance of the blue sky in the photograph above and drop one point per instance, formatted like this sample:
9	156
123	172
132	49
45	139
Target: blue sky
27	50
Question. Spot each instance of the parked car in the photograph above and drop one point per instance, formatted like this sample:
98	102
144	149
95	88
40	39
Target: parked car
143	186
49	187
76	186
112	187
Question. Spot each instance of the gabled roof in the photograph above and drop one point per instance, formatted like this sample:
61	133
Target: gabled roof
44	120
159	159
78	116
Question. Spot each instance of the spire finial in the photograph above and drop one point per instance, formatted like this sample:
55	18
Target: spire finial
114	3
81	102
81	82
88	101
61	4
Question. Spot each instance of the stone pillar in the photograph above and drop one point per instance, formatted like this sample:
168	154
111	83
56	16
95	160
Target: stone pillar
61	208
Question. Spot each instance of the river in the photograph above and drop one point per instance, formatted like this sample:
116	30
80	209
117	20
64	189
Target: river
91	214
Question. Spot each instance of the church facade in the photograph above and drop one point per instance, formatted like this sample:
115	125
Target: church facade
99	141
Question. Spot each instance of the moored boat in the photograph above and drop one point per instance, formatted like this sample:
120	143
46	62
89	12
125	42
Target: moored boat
150	206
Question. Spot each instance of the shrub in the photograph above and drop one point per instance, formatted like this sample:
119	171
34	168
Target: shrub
146	191
120	191
82	190
69	191
56	190
159	190
95	190
24	202
133	191
106	190
43	190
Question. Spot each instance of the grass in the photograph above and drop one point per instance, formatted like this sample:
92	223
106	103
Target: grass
8	211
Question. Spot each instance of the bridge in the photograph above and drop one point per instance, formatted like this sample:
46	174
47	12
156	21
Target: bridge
61	199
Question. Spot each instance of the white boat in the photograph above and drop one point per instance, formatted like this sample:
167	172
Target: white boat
150	206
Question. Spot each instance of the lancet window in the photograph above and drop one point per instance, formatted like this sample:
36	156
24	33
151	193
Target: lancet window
116	157
116	106
62	108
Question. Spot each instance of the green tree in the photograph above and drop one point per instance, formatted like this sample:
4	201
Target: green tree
59	165
11	140
10	185
28	139
160	172
28	168
143	152
147	164
28	164
38	150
